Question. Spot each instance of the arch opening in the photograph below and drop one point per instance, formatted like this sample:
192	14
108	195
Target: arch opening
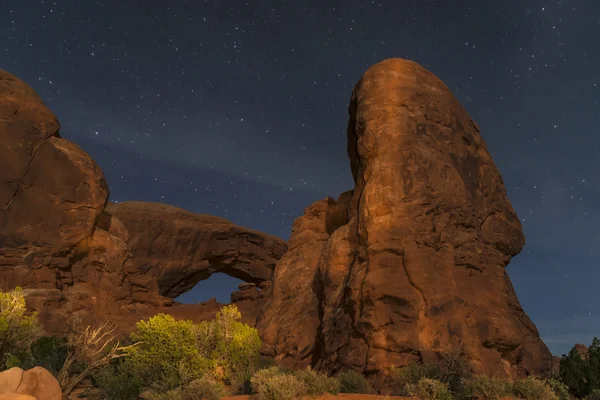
218	285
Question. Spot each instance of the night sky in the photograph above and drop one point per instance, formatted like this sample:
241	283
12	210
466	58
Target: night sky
239	109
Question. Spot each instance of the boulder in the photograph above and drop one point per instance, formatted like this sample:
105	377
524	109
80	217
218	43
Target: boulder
412	260
15	396
37	383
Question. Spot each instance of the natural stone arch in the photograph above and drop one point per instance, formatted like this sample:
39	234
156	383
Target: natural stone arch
180	248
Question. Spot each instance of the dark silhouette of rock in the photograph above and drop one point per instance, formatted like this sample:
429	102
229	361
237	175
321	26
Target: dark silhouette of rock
413	259
180	248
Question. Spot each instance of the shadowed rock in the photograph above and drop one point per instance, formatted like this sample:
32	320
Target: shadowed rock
72	256
417	264
180	248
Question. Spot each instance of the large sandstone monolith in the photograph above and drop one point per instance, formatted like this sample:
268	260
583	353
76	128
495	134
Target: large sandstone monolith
418	263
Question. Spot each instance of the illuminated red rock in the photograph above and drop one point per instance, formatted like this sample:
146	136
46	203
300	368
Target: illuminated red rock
417	262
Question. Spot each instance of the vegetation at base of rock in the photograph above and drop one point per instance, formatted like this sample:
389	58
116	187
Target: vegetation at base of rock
485	387
168	354
581	375
169	359
317	383
449	368
430	389
17	329
595	395
532	388
353	382
49	352
118	382
203	388
173	353
273	384
560	389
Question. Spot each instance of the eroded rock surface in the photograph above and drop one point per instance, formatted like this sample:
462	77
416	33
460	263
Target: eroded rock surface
417	263
51	194
74	258
180	248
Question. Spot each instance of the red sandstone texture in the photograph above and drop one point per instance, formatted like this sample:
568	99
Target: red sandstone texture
73	257
413	259
408	263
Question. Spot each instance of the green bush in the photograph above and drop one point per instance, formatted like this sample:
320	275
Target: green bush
272	384
203	388
174	394
430	389
117	383
353	382
595	395
232	345
532	388
317	383
560	389
167	354
48	352
484	387
449	367
17	330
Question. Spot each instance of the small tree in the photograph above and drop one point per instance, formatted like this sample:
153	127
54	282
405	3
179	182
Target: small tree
593	359
17	330
575	373
89	349
232	345
167	352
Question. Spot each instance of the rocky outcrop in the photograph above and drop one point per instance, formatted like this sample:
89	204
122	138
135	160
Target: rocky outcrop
293	300
74	258
51	194
37	382
415	262
180	248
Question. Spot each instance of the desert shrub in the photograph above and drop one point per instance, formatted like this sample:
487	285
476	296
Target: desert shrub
560	389
317	383
118	382
272	384
485	387
532	388
595	395
449	367
265	362
17	329
353	382
232	345
49	352
430	389
166	354
203	388
173	394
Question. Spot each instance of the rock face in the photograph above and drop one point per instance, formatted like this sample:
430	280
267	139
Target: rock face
51	194
413	259
36	382
74	258
180	248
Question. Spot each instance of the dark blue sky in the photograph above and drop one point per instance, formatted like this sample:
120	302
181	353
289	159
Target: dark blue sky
239	109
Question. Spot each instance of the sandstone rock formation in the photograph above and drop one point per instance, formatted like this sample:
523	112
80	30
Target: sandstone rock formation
413	259
36	382
180	248
73	257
